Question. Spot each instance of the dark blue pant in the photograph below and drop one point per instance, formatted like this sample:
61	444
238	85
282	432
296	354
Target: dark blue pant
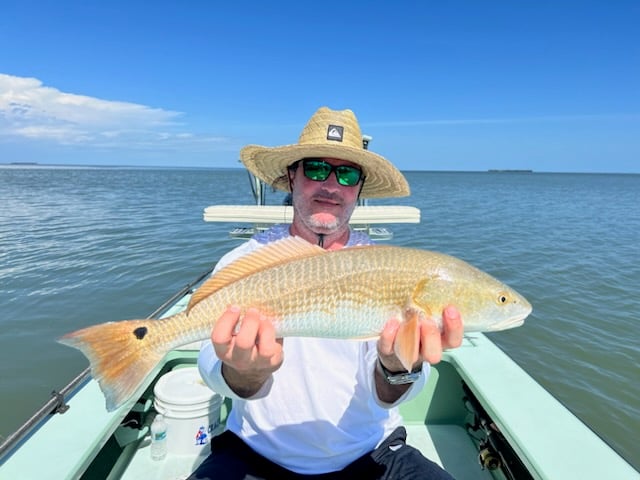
232	459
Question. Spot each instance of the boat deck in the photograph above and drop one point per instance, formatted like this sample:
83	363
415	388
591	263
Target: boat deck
549	441
438	432
444	444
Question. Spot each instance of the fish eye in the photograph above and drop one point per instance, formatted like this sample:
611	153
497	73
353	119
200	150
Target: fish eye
503	298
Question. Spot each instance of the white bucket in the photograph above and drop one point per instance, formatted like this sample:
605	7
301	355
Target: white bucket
191	410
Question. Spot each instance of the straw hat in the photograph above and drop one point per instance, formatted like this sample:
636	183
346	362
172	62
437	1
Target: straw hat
329	134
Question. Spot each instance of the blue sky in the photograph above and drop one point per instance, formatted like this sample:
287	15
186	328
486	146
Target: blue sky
542	85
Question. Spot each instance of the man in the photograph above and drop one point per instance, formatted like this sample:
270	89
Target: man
312	407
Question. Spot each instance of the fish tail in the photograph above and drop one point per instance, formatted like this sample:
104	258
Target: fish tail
121	354
407	340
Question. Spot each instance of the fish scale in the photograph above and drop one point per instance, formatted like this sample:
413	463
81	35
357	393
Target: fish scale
304	302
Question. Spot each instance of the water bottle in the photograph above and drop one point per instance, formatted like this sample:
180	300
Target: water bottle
158	438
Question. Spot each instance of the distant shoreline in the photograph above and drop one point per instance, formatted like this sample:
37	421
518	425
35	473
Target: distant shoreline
113	167
186	167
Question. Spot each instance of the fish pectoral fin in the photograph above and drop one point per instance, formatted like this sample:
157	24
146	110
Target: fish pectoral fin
407	343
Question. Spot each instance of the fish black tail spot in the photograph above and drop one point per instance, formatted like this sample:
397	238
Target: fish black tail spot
140	332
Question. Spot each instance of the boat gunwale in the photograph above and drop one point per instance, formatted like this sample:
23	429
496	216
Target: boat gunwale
57	404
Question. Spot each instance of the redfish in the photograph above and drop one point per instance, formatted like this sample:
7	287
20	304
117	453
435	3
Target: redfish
308	292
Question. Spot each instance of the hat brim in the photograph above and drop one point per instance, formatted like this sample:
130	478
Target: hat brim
270	164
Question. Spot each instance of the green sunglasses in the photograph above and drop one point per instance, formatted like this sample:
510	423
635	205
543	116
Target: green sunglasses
319	170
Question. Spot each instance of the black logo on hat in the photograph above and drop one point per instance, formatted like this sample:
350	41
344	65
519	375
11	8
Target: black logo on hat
335	132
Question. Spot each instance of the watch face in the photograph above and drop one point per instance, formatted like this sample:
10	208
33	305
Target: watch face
404	378
400	378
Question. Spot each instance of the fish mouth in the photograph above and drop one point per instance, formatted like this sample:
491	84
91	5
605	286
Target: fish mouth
513	321
507	324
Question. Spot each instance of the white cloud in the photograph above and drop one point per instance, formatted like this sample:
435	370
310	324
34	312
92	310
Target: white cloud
30	110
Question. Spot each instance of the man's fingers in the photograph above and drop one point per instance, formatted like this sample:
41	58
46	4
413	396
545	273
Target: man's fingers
452	328
430	342
223	332
247	335
387	337
267	344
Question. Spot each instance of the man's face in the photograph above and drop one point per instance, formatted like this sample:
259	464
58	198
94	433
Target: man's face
324	207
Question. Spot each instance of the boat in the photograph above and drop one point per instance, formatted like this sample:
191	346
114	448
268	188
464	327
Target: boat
480	416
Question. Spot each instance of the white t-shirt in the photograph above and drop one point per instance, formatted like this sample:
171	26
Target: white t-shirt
320	410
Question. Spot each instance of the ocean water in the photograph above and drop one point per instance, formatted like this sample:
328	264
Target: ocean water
80	246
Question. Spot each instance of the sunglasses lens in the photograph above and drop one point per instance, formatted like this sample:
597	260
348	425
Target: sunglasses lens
316	170
348	176
319	171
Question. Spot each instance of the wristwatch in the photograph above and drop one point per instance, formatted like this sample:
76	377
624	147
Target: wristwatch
400	378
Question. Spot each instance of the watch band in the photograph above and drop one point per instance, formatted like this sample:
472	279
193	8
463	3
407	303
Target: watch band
400	378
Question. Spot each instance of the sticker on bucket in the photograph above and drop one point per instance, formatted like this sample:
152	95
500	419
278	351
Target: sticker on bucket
201	436
205	433
191	410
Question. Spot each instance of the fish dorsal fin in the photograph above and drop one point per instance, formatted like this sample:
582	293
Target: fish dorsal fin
272	254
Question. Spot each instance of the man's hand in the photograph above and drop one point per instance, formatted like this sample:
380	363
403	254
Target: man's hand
431	340
250	353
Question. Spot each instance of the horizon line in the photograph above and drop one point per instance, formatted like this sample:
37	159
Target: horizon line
200	167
